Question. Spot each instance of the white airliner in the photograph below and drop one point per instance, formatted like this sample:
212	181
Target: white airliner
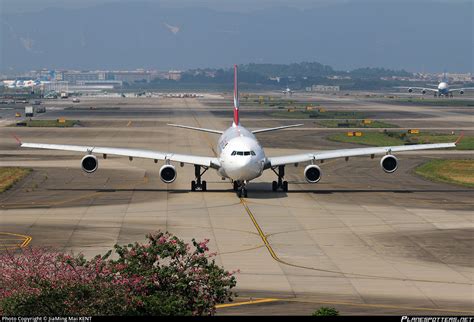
441	90
240	157
287	91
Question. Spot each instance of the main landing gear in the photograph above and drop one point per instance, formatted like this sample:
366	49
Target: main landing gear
198	184
241	188
280	184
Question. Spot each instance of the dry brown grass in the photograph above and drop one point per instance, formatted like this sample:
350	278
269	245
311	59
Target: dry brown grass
8	177
452	171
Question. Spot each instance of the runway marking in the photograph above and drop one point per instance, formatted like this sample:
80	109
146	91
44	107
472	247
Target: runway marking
23	240
128	124
257	301
264	238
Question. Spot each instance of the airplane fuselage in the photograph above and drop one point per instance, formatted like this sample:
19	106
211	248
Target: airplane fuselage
241	156
443	88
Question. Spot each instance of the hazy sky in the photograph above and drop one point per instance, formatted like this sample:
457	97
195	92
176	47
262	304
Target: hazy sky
240	5
416	35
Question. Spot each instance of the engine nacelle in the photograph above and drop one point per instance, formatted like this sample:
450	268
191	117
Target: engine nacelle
89	163
410	90
461	92
389	163
423	91
168	173
312	173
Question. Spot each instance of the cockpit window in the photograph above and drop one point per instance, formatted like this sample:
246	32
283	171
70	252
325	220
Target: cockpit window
242	153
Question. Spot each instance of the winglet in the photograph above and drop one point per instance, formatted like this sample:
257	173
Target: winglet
17	139
459	138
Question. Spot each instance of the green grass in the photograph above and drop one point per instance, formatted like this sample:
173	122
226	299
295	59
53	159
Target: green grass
388	138
315	114
367	138
50	123
9	176
356	124
451	171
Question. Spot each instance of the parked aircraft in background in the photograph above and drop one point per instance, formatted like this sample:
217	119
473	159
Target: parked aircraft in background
30	83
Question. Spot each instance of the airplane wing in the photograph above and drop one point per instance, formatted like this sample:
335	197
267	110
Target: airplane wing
419	88
275	128
134	153
196	128
461	89
344	153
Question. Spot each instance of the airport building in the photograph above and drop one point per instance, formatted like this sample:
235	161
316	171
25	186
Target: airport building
131	76
174	75
56	86
73	77
323	88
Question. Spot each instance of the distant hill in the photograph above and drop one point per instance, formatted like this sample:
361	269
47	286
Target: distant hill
413	35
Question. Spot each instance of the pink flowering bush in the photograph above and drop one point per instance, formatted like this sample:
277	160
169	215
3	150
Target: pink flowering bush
164	276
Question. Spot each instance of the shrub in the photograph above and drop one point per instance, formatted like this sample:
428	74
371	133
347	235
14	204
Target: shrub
164	276
326	311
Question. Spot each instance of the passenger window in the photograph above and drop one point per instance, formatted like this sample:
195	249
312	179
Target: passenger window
247	153
234	152
240	153
251	152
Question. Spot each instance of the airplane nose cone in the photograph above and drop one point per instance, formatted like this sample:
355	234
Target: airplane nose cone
243	169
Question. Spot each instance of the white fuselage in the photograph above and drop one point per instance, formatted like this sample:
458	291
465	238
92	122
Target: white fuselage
241	156
443	88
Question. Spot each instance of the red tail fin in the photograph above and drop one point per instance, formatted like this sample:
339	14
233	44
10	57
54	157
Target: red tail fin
236	97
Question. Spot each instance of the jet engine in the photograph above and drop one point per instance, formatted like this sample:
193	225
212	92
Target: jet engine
389	163
89	163
410	90
461	92
312	173
168	173
423	91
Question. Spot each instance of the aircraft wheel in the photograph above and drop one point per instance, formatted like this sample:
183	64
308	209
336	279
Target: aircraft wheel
236	186
274	186
285	186
204	185
245	193
239	193
193	185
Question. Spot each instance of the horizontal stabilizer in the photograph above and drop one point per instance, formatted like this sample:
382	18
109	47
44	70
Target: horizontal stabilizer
275	128
196	128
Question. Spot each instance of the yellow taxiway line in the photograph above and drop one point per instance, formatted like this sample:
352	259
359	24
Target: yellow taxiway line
257	301
25	240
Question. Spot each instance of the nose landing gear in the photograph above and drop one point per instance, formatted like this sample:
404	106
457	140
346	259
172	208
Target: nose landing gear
280	184
241	188
198	184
